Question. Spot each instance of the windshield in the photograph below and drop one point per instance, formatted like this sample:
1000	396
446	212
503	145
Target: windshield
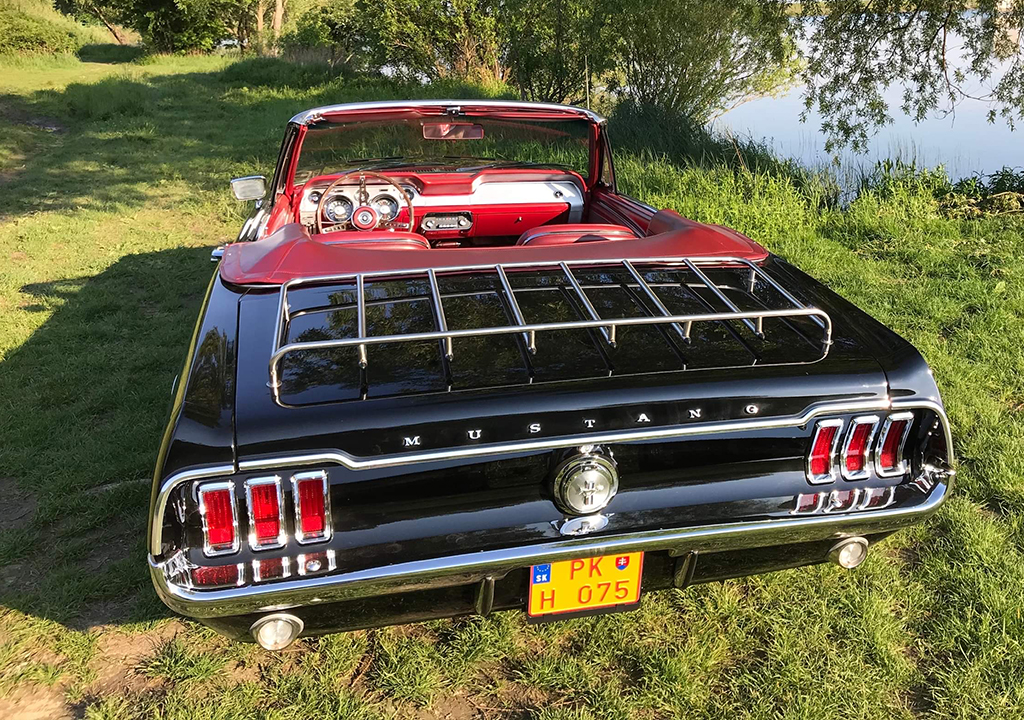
439	145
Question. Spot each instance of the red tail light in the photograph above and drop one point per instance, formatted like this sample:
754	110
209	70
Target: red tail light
858	446
263	496
889	460
875	498
842	500
220	522
312	507
821	460
220	576
271	569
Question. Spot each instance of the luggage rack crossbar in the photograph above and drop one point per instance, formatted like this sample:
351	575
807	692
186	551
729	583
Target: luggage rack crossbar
659	312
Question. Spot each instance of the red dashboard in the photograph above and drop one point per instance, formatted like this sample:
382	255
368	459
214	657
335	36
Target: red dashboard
489	205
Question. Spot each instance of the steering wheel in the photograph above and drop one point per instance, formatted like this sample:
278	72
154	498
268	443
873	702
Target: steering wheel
364	216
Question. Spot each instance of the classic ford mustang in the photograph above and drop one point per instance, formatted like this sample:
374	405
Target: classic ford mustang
447	369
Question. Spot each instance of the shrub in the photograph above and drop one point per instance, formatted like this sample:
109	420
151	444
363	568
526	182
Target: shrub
24	33
333	32
274	72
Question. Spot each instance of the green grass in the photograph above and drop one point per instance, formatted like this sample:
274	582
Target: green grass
105	227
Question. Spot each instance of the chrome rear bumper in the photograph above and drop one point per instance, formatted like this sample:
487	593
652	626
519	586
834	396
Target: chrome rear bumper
472	568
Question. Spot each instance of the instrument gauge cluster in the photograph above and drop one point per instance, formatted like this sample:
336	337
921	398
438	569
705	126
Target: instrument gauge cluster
386	206
338	208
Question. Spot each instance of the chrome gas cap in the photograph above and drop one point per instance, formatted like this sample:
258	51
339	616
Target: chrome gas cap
585	484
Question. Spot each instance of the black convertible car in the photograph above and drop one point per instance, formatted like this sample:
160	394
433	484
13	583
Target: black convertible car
447	369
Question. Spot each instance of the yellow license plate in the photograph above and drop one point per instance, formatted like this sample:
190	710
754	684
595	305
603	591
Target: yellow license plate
588	584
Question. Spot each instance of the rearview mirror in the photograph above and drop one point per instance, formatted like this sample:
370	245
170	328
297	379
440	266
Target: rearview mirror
253	187
452	131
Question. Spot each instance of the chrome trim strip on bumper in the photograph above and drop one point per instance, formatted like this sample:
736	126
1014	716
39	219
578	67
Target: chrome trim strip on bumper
356	463
474	567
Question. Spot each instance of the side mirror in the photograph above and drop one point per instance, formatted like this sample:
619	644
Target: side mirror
253	187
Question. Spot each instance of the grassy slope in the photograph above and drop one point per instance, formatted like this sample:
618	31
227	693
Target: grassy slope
104	233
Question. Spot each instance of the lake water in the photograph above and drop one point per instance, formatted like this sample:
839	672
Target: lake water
966	143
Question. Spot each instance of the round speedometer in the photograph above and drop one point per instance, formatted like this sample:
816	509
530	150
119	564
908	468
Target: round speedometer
386	206
338	209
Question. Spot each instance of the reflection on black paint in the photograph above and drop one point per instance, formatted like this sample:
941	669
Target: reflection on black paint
402	306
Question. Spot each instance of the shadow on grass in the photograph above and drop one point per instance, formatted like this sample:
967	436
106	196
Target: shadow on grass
88	395
132	131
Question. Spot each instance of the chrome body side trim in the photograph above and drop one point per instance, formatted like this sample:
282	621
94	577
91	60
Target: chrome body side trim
657	433
475	567
314	114
160	504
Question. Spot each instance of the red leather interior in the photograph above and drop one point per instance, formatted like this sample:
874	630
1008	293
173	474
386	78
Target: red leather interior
666	221
569	233
291	252
376	240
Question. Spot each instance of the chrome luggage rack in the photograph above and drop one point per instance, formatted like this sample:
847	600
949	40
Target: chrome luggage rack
681	324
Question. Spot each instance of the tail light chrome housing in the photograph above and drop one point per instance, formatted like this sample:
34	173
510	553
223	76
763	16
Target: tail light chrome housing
310	493
822	459
860	450
219	514
889	460
266	505
856	456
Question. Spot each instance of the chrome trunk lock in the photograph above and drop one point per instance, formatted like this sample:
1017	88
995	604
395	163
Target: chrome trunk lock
584	484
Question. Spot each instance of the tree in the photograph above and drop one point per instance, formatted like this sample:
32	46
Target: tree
436	39
702	58
335	29
108	12
857	48
553	48
181	25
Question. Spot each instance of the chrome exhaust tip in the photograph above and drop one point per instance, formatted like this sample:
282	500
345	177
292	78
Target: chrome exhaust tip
849	552
276	632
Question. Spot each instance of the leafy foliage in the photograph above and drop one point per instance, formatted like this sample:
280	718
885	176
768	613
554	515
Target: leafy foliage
337	29
23	33
436	39
702	58
34	27
553	49
856	50
180	26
